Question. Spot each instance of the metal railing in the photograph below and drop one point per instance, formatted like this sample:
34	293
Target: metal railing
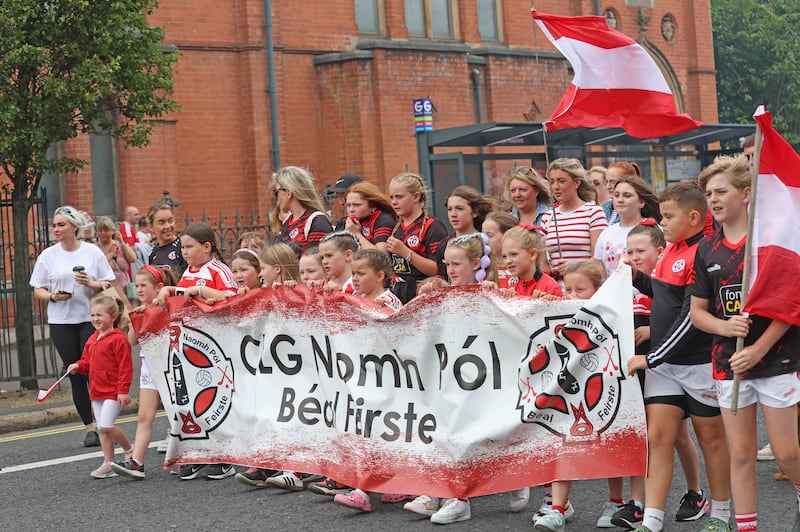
44	359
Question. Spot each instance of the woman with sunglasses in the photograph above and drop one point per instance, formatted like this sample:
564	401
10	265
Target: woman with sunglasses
306	223
528	193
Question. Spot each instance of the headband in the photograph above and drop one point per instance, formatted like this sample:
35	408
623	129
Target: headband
648	222
533	228
156	273
485	261
331	236
248	250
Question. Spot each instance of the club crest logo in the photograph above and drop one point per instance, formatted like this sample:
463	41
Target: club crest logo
293	233
412	241
200	381
570	378
365	231
678	265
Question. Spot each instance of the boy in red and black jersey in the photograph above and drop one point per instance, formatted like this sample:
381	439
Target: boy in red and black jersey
678	381
767	362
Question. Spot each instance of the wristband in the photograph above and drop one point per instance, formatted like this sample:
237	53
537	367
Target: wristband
51	299
410	254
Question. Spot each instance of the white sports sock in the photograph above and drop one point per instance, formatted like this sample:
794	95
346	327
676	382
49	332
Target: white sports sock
721	510
653	519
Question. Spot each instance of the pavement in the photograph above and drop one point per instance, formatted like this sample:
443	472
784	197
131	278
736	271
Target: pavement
20	409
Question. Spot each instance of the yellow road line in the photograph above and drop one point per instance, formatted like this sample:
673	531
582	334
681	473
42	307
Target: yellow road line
63	430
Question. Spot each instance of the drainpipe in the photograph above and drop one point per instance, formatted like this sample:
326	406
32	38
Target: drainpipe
596	7
271	88
476	86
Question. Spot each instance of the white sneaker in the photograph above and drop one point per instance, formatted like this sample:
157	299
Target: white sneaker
423	505
104	471
452	511
286	480
518	499
547	507
552	521
609	509
765	453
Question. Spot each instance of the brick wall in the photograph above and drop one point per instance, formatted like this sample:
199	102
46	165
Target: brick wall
349	113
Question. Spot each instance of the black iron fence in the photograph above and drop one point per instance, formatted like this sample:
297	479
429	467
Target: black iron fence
229	228
44	360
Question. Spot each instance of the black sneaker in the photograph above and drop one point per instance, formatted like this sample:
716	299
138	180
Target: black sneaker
328	487
129	468
220	471
255	477
190	471
92	439
629	516
693	506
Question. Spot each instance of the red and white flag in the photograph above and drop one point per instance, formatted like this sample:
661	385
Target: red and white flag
775	250
616	83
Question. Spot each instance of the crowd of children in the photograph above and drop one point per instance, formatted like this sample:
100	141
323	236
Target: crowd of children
392	249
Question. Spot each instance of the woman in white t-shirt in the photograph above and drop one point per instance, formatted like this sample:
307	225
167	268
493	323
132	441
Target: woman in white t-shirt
633	201
572	234
67	275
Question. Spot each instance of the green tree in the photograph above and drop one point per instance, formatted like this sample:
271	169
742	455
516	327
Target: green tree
69	67
757	50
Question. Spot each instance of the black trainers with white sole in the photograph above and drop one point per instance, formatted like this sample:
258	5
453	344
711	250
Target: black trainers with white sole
190	471
220	471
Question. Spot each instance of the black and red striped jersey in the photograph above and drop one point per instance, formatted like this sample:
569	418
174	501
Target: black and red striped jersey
377	227
300	236
673	338
718	278
422	236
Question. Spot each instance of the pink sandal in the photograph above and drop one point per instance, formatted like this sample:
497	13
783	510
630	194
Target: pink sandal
356	498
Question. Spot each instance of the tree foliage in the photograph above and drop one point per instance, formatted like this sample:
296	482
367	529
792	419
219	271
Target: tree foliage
69	67
757	52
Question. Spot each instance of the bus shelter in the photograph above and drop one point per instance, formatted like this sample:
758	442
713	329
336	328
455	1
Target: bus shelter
480	155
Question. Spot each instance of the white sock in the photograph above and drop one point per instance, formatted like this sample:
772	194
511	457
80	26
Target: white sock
721	509
653	519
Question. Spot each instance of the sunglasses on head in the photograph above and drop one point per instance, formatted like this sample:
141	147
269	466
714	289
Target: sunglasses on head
524	170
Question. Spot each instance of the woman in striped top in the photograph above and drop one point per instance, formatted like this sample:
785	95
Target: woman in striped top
572	233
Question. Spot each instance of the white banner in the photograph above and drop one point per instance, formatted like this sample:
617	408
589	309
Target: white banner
461	393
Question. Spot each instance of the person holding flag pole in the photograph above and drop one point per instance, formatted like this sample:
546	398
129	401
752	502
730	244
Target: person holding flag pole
636	98
756	336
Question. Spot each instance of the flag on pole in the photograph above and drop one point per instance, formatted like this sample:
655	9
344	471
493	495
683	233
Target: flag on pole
616	83
775	270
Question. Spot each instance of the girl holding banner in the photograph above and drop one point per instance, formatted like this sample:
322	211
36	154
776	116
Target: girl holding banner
416	237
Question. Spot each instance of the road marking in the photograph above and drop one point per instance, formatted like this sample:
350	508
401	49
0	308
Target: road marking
57	461
63	430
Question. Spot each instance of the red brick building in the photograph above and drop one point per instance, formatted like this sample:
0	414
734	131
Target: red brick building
347	72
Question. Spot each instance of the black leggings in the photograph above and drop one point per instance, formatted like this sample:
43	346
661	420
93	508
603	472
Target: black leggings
69	339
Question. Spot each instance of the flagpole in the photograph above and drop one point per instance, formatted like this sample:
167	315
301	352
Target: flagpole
748	251
550	187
